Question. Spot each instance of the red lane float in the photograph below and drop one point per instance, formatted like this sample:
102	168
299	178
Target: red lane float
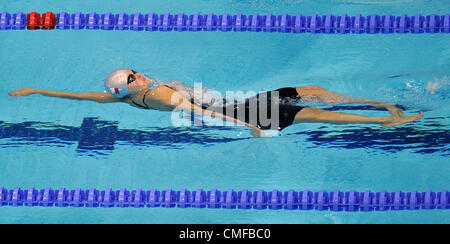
33	21
46	22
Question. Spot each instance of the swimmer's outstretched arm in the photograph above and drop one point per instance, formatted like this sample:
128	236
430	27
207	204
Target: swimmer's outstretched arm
99	97
185	105
109	98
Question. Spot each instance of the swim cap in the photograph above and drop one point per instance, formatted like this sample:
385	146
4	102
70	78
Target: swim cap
116	83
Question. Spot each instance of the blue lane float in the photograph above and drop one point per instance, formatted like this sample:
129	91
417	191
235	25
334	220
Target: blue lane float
327	24
351	201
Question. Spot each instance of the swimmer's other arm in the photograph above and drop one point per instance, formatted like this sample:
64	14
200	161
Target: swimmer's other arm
99	97
256	132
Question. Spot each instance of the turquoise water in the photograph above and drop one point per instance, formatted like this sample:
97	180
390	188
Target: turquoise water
46	142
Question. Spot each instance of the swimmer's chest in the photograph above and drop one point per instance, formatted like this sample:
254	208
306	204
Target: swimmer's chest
161	98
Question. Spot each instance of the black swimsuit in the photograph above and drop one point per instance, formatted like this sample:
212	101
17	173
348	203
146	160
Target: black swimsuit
143	101
286	110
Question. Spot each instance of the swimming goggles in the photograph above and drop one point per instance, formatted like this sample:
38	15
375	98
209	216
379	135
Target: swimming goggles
131	77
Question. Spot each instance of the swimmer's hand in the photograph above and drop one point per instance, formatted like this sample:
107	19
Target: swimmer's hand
395	111
22	92
258	133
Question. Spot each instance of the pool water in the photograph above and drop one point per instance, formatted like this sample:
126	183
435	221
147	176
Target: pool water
47	142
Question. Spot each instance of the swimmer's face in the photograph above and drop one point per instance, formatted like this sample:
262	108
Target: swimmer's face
137	82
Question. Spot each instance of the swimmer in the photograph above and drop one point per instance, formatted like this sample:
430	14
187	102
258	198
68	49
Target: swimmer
128	86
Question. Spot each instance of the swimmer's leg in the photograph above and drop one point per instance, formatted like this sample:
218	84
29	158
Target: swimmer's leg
316	115
319	94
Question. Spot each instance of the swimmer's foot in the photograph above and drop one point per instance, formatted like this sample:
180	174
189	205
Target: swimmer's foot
398	120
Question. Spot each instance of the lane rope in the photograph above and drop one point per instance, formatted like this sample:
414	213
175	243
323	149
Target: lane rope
351	201
315	24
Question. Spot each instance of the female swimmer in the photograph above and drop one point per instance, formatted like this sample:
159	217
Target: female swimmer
128	86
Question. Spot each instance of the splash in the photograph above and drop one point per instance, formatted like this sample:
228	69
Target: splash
438	86
420	94
429	92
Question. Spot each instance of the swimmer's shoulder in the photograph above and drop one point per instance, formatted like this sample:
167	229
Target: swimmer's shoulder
163	87
162	90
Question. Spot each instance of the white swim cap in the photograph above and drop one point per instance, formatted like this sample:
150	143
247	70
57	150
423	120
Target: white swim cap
116	83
